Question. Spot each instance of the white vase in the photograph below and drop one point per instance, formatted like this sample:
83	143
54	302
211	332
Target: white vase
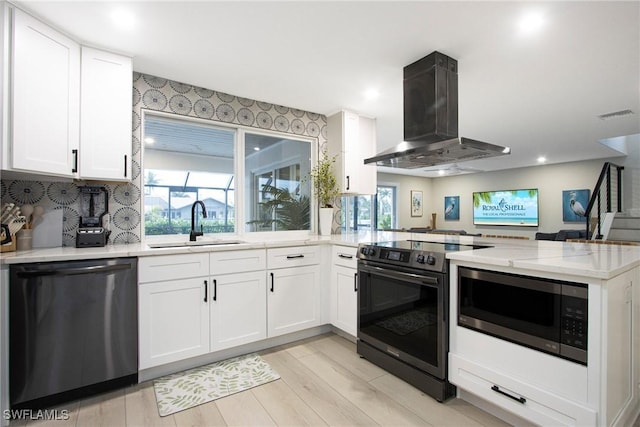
326	219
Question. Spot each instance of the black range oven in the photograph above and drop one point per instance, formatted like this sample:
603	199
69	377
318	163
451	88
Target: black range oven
403	322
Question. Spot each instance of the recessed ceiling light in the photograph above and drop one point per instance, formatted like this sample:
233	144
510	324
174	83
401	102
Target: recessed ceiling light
441	172
123	19
542	159
531	23
371	94
149	140
256	148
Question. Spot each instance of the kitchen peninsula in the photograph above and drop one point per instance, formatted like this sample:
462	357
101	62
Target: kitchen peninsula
603	392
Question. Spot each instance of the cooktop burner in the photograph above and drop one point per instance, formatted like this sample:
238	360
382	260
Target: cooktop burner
420	245
412	253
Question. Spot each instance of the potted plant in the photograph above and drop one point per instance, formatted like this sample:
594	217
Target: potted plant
284	210
324	181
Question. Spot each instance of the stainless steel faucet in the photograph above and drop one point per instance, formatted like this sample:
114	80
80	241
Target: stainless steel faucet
194	233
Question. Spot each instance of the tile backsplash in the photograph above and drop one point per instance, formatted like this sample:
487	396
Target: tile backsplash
158	94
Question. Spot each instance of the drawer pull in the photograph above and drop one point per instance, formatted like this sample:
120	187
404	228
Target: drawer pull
510	396
345	256
75	161
295	256
215	290
206	286
271	281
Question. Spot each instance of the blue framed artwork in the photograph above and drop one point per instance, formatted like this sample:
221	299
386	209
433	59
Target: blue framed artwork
574	205
452	208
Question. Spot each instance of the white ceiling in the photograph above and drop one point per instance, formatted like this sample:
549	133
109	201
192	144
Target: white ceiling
540	93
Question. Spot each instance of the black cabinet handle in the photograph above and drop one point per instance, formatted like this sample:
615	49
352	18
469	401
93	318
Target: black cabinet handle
75	161
510	396
271	281
295	256
125	165
345	256
215	290
355	282
206	286
348	183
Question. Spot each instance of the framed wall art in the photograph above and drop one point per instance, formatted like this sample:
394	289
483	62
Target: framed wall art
574	205
416	203
452	208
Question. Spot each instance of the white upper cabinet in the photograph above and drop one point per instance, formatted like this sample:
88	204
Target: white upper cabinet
45	100
66	108
105	124
353	139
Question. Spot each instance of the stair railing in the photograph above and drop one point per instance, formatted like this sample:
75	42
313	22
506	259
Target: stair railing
605	198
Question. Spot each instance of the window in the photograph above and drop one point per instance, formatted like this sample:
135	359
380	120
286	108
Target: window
185	161
386	207
277	197
360	212
188	159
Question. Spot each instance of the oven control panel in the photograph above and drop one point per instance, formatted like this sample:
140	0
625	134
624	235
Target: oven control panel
423	260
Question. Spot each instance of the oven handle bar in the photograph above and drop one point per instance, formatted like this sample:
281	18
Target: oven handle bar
427	280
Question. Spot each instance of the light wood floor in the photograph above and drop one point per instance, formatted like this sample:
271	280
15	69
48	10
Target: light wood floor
323	382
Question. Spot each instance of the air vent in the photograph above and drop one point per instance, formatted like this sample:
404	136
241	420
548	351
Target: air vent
615	114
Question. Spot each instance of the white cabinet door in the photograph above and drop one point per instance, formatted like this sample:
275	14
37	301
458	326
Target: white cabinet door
173	321
45	114
353	139
238	309
293	299
105	125
344	299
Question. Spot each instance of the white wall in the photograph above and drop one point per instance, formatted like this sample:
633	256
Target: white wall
404	185
550	180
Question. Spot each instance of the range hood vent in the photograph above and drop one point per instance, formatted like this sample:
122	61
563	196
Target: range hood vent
431	119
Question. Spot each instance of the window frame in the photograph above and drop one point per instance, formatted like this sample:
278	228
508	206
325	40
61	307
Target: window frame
240	211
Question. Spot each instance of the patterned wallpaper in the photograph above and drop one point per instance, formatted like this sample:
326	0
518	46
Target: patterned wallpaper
155	93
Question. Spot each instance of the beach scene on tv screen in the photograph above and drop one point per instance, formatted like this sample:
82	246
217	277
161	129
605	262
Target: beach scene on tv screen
508	207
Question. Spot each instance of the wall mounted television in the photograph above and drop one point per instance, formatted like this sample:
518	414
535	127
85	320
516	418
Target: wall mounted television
506	207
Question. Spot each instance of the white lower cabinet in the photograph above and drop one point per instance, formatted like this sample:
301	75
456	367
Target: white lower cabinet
547	390
173	321
294	297
238	298
173	308
532	403
293	301
193	304
223	306
238	309
343	293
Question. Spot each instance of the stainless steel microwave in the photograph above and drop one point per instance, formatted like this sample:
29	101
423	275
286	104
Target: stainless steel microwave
543	314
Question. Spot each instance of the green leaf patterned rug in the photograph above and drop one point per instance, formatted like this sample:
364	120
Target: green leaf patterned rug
184	390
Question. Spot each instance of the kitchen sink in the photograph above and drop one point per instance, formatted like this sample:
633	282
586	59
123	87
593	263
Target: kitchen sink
196	243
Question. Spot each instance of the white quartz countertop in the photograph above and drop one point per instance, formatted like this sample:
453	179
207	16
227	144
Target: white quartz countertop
580	259
143	249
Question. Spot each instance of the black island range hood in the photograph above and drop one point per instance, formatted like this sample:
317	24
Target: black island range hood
431	119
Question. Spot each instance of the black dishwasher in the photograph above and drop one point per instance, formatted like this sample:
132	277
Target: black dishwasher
73	330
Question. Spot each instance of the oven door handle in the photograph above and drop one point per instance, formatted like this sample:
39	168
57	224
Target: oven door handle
426	280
